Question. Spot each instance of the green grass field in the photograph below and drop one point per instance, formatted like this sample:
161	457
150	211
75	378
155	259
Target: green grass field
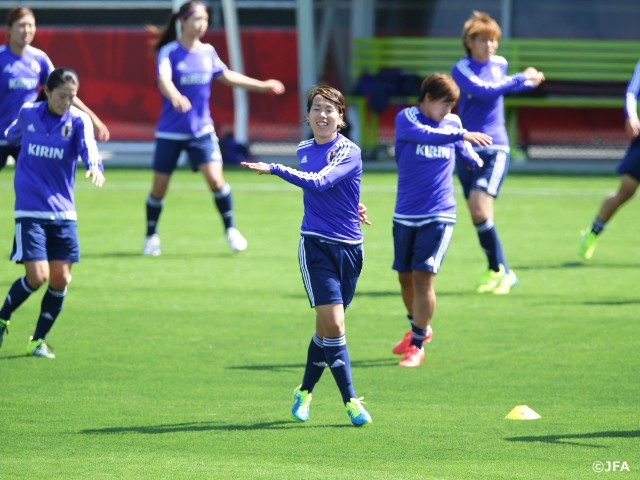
183	366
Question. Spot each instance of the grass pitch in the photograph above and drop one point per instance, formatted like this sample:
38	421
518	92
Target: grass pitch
183	366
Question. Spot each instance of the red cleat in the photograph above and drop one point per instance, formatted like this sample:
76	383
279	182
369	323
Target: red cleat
413	357
403	345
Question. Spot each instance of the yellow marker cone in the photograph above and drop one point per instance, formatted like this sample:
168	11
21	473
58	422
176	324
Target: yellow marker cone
522	412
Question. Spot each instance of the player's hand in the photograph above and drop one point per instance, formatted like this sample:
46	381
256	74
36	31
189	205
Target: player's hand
362	213
260	167
101	130
632	126
478	138
97	177
274	87
181	103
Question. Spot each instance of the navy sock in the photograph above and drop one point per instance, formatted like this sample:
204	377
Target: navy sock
18	293
224	203
49	311
598	226
315	364
337	357
490	243
154	209
418	336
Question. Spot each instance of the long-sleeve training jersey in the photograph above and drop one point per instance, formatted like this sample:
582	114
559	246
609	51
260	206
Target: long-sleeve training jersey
192	73
482	89
20	79
329	176
426	152
633	90
46	167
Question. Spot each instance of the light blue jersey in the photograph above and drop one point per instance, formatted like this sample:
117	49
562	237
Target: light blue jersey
192	73
426	153
329	176
633	91
482	89
45	171
20	80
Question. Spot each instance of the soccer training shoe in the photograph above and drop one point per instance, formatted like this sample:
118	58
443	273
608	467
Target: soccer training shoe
301	404
509	281
151	246
413	357
358	415
4	330
403	345
237	242
38	348
588	244
490	280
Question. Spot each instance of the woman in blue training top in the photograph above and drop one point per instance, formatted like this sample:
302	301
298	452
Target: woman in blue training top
483	81
429	139
185	69
23	71
330	250
52	134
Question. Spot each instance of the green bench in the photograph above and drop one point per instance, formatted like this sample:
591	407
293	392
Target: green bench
579	73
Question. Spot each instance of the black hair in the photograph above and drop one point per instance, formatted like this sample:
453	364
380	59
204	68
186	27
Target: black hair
58	77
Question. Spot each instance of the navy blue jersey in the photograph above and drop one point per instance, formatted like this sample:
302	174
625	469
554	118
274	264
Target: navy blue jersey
426	153
329	176
633	90
192	73
482	90
50	148
20	79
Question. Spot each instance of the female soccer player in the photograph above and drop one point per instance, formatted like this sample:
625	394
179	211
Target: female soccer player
185	69
428	141
330	250
483	81
23	71
628	169
52	135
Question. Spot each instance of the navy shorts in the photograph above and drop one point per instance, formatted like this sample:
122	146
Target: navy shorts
45	240
630	163
199	150
329	270
5	152
420	248
489	177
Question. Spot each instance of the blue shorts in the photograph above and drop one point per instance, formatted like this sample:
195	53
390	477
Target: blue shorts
5	152
489	177
420	248
329	270
630	163
37	239
200	150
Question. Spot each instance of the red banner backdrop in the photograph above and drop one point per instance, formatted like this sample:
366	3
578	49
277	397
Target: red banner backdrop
117	78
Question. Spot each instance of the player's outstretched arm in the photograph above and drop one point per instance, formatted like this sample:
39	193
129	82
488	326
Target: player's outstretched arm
260	167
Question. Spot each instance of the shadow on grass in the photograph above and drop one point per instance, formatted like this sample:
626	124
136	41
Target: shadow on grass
571	439
201	427
381	362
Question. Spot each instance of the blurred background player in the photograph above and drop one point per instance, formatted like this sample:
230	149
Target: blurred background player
23	71
330	251
483	81
428	140
52	134
185	70
628	170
